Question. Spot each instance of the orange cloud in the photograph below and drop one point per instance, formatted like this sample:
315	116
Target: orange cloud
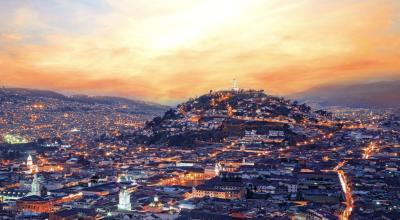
170	52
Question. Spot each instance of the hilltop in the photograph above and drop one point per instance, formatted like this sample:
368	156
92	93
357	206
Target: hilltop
35	115
217	116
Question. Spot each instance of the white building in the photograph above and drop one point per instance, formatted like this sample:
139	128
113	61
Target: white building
124	200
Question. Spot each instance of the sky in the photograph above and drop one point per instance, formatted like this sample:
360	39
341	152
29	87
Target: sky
169	50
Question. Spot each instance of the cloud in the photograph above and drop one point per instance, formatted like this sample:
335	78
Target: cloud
170	51
10	37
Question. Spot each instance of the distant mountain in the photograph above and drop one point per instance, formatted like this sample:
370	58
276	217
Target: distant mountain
384	94
23	94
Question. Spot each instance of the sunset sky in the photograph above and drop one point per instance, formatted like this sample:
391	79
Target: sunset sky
169	50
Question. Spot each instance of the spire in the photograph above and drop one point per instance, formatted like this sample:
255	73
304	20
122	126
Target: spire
29	164
29	161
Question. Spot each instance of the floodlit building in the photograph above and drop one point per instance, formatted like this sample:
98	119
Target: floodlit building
124	200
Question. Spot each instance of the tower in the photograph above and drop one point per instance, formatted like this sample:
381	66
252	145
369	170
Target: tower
124	200
29	162
35	186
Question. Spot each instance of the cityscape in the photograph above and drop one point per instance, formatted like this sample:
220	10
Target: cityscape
227	154
199	110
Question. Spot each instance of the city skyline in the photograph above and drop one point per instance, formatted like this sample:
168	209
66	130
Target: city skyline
168	51
199	109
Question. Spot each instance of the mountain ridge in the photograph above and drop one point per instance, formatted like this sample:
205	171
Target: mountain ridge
383	94
80	97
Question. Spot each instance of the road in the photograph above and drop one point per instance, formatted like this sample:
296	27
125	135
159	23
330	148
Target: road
347	192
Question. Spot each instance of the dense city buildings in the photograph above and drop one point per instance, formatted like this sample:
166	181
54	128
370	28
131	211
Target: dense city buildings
231	154
199	110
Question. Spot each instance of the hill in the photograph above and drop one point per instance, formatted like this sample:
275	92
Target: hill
15	94
215	117
35	114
